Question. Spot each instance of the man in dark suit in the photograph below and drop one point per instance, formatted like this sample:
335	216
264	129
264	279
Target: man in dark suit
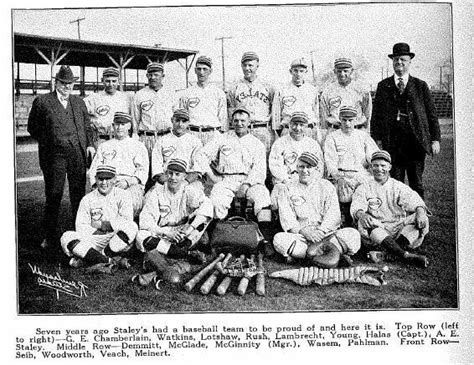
404	120
60	123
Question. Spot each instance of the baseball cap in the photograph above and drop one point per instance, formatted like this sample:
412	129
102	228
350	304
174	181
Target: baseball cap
348	111
176	164
299	62
121	117
241	109
310	158
204	60
299	117
111	71
154	67
343	63
249	56
181	113
381	155
105	171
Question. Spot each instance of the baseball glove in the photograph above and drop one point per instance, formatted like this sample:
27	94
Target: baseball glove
323	254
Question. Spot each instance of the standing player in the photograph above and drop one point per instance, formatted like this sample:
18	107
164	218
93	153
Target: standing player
297	95
128	156
205	103
344	92
152	108
180	144
103	105
256	96
104	225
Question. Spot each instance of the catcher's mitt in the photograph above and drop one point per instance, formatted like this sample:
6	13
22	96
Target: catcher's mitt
323	254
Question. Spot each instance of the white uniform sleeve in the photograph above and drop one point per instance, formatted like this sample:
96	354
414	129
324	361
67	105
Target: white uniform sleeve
367	107
332	213
276	162
258	171
157	158
198	203
142	164
125	205
97	160
408	199
222	111
287	215
359	200
83	218
370	148
149	216
136	113
207	154
193	162
330	155
316	149
276	110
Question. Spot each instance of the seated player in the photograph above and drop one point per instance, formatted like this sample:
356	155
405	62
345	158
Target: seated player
175	216
179	144
310	216
347	153
238	168
390	215
286	150
104	224
128	156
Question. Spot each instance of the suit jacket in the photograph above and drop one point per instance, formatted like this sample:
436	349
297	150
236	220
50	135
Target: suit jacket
421	112
44	122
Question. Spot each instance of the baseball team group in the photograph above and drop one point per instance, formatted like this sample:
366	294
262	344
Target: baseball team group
326	167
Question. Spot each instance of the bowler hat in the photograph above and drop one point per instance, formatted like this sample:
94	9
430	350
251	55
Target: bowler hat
401	49
65	75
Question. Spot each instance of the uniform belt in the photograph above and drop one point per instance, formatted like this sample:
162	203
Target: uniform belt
259	124
104	136
336	126
195	128
232	174
154	133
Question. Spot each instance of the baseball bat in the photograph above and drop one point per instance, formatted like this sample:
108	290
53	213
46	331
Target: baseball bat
222	288
192	283
244	282
211	280
260	281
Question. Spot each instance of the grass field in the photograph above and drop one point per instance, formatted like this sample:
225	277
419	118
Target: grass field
408	287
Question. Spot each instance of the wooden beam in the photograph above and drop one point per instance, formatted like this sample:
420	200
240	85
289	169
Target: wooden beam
48	61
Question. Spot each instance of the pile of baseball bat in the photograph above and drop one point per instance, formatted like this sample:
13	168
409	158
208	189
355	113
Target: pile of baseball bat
218	267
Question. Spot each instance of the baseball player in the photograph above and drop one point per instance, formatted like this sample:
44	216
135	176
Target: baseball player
179	144
152	108
103	105
239	168
175	216
205	103
390	215
310	216
297	95
257	97
128	156
347	153
286	150
104	225
344	92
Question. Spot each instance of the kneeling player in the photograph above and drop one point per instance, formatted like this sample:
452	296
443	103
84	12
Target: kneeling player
389	214
104	224
310	215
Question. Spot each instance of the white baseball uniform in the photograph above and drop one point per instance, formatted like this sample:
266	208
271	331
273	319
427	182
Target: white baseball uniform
335	95
312	205
102	107
166	212
152	111
238	160
292	98
349	156
95	208
393	205
207	107
257	97
130	159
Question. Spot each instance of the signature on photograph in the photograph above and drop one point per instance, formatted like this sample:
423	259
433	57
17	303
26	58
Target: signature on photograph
57	283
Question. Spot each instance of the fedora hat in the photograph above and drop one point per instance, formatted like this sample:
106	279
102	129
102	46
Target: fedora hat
401	49
65	75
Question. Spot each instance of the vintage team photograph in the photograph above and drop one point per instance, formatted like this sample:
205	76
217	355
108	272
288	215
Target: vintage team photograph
244	158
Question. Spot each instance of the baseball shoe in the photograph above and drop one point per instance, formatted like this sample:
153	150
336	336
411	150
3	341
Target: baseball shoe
102	268
76	262
380	256
417	260
122	262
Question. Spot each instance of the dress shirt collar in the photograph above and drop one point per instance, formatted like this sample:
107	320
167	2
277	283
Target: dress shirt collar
404	77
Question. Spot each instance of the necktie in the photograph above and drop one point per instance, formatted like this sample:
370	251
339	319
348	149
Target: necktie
401	85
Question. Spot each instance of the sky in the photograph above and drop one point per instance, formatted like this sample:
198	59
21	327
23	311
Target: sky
279	34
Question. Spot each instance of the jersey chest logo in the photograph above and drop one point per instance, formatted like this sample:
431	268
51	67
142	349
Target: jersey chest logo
297	200
108	156
193	102
288	101
335	102
102	110
146	105
96	214
165	210
374	203
290	158
226	150
168	151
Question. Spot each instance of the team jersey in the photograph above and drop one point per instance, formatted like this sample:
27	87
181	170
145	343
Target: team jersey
152	110
352	153
230	154
284	156
389	203
315	204
103	106
96	208
292	98
164	208
171	146
128	156
334	96
256	97
207	106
